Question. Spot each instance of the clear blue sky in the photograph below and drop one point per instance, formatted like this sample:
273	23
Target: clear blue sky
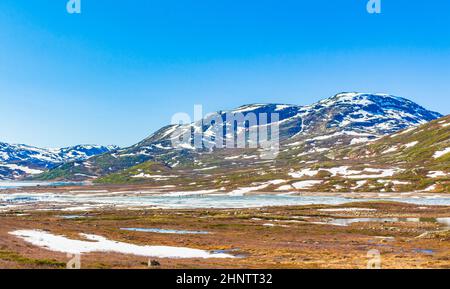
121	69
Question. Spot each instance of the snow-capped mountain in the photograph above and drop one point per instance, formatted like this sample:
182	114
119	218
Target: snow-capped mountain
356	114
378	114
82	152
18	160
339	121
351	118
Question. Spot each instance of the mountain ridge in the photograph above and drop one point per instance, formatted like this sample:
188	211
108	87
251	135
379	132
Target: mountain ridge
415	159
20	160
339	121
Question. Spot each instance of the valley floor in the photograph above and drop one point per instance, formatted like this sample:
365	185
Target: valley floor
310	236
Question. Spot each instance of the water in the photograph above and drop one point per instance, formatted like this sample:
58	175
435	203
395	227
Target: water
164	231
424	251
444	221
86	202
348	222
72	217
15	185
168	201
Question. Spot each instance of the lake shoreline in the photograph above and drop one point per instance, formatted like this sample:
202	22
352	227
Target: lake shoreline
287	236
101	197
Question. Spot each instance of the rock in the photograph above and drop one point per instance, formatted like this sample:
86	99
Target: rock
154	263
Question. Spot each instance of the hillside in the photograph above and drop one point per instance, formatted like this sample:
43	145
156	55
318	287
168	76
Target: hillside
338	144
19	161
411	160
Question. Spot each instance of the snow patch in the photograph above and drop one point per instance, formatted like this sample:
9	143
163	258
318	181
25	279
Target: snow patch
359	140
304	172
439	154
391	150
430	188
411	144
378	173
97	243
436	174
306	184
147	176
348	210
284	188
24	169
188	193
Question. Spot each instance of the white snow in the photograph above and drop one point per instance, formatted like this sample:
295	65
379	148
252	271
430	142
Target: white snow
21	168
430	188
4	156
277	182
188	146
304	172
404	132
280	107
89	191
284	188
160	146
306	184
169	131
436	174
391	150
257	187
97	243
232	158
295	143
411	144
395	182
359	140
379	173
336	134
188	193
147	176
11	154
348	210
247	108
206	169
439	154
343	170
243	191
359	184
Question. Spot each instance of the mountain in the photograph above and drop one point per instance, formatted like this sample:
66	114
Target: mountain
18	160
415	159
307	134
422	153
158	147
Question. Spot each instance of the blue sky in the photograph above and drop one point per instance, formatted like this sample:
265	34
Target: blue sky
121	69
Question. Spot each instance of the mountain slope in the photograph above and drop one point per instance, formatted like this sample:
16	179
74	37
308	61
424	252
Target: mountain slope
158	147
416	159
418	146
306	132
18	160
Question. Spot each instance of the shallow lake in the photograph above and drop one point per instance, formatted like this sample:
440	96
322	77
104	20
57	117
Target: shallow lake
85	202
347	222
165	231
15	185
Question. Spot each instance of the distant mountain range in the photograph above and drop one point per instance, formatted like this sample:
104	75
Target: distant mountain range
348	142
18	160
